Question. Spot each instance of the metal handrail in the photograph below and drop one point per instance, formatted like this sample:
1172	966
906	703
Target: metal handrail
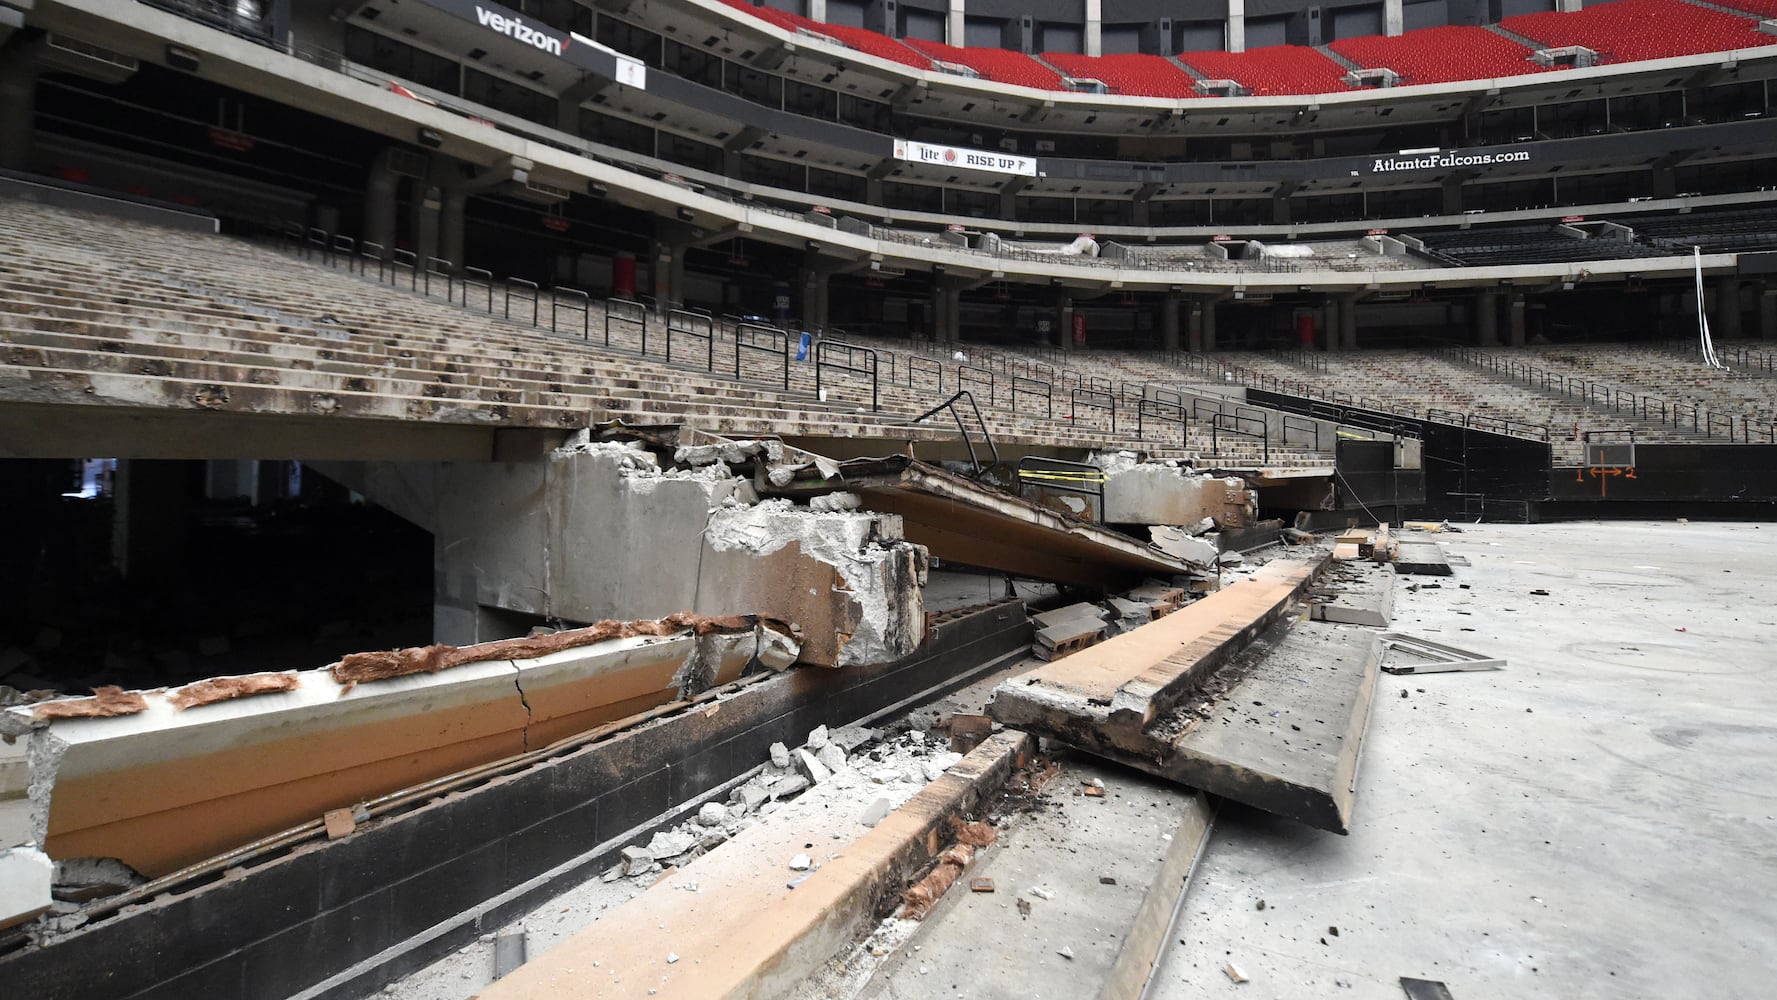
399	258
1313	426
688	322
487	282
584	304
746	339
849	366
950	404
1062	476
917	363
444	273
981	374
535	291
1091	397
1039	387
626	311
1167	413
1229	423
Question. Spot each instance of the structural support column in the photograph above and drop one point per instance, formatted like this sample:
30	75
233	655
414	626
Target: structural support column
450	227
379	203
815	282
1236	25
1330	325
1194	323
817	10
18	100
1392	20
1727	306
954	31
1209	322
1486	318
1348	320
1094	40
1767	313
1064	311
1169	325
1517	320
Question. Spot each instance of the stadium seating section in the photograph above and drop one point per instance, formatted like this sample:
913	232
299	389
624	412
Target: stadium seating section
1621	31
1628	30
1441	55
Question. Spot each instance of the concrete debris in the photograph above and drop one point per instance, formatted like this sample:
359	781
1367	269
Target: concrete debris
836	501
670	844
811	766
1235	973
831	757
672	958
713	814
1065	952
850	738
817	738
1180	544
780	755
1041	893
784	788
981	884
637	860
876	813
1230	558
886	775
967	731
80	880
728	452
800	863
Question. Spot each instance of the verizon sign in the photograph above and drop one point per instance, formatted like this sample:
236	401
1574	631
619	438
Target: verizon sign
968	159
582	52
516	29
1434	159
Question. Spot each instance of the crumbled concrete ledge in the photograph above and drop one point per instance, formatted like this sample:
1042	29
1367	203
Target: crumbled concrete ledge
25	877
172	784
1166	493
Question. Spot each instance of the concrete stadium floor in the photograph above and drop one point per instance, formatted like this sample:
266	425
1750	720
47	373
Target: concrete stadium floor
1599	819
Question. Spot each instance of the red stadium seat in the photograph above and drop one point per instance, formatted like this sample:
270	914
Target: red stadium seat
1628	30
1278	69
1127	73
1440	55
998	65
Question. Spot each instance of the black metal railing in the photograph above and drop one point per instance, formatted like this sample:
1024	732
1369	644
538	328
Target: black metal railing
917	365
626	312
1236	425
1034	388
965	374
1057	475
851	363
577	301
1093	399
762	340
950	405
1158	412
696	325
486	283
525	290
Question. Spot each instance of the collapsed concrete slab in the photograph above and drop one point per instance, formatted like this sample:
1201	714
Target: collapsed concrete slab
162	779
1125	700
556	537
1356	593
1137	492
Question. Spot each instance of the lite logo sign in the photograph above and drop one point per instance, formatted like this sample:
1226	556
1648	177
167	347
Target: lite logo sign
972	159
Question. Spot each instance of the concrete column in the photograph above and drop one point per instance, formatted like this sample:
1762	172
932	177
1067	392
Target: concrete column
1194	324
815	281
423	214
1348	321
1236	25
148	520
817	10
450	227
1064	333
1391	17
1094	41
18	100
669	275
1767	313
1486	308
1727	307
379	204
954	33
1568	6
1169	310
1209	322
1330	326
1452	196
1516	327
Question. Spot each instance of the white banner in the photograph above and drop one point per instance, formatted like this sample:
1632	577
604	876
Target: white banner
971	159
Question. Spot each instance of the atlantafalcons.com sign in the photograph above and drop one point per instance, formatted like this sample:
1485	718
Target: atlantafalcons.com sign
1445	160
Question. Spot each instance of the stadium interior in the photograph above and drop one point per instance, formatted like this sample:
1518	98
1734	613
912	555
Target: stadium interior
800	325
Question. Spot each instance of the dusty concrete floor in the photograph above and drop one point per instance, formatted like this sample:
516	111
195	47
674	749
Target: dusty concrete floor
1597	820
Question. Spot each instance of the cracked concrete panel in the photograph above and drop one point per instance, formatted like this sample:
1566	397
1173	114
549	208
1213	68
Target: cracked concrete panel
25	877
1163	493
166	787
846	578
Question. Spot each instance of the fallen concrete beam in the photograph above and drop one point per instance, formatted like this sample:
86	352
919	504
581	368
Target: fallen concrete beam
963	521
762	929
1420	558
1162	493
1104	698
163	779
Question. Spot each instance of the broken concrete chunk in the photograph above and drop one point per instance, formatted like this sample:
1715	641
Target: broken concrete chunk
831	757
712	814
780	755
817	738
800	863
877	812
783	788
670	844
78	880
1235	972
1180	544
886	775
637	860
752	796
811	766
25	877
849	738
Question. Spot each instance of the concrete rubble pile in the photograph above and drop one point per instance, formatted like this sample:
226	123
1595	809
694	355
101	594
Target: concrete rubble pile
868	763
